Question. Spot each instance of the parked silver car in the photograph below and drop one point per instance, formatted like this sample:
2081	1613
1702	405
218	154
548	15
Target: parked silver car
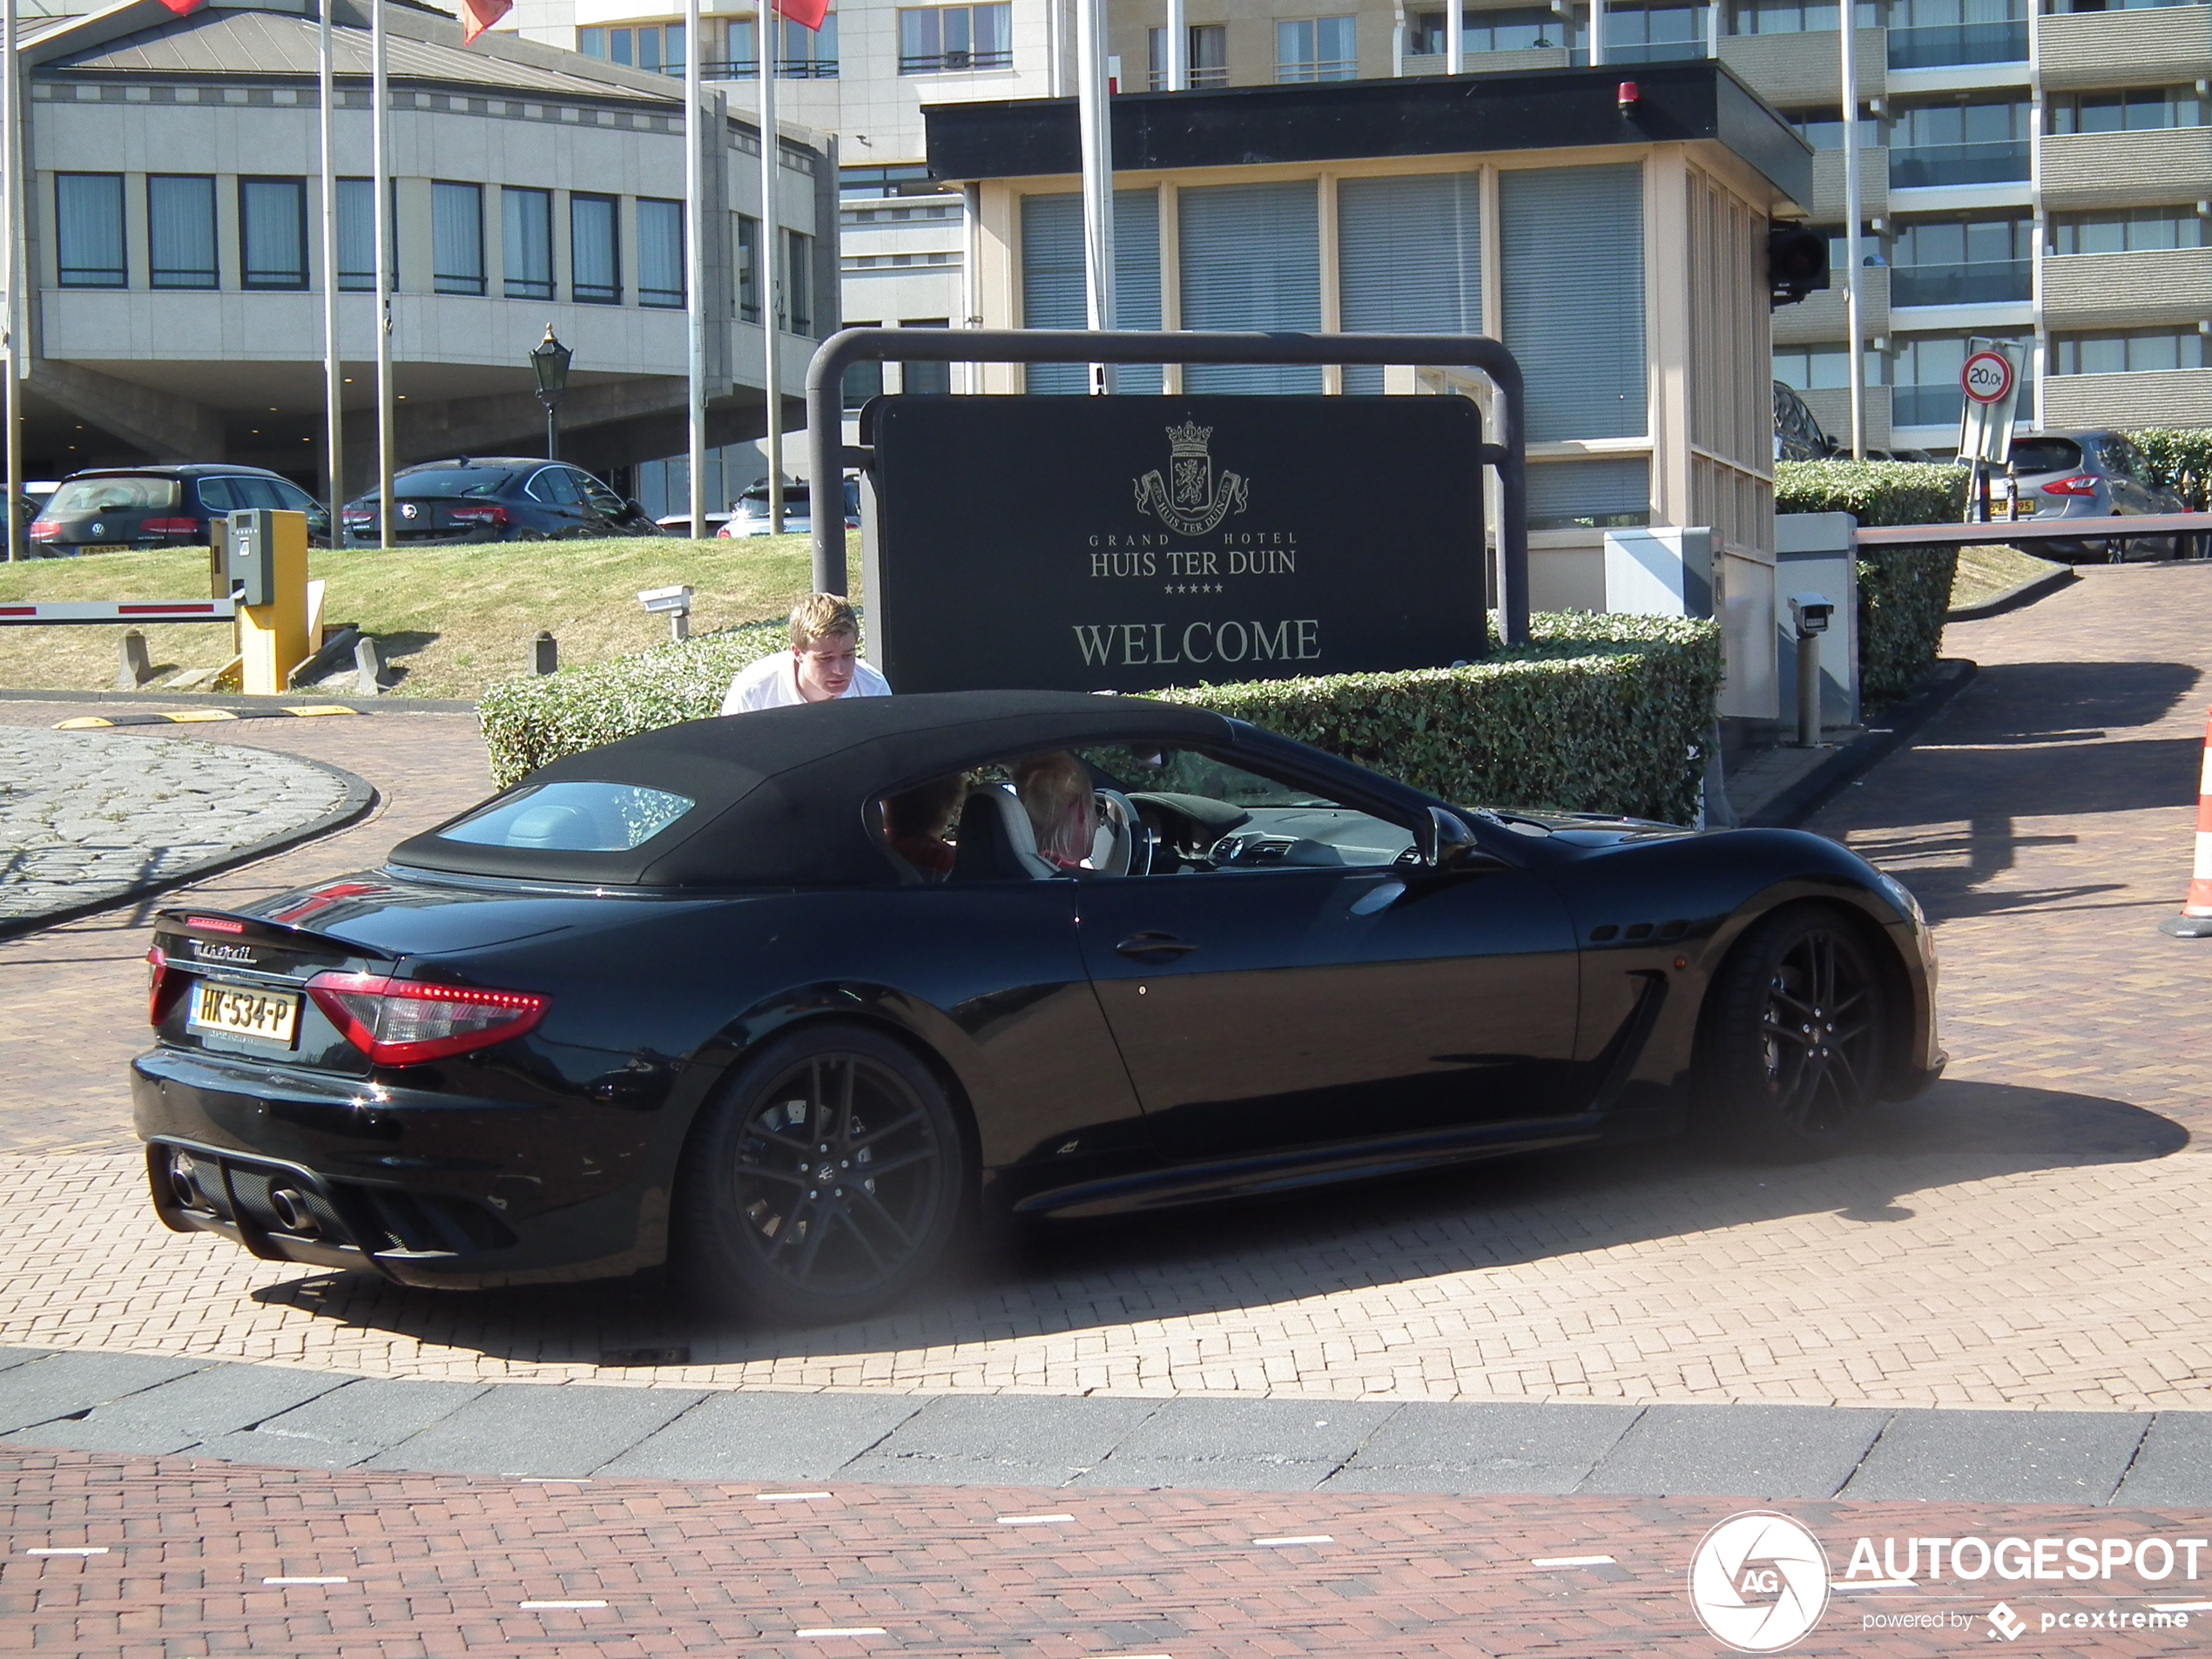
2088	475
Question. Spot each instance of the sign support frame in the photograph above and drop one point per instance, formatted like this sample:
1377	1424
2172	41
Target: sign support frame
828	454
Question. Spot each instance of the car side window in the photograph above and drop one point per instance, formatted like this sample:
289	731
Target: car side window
260	492
601	498
216	496
554	484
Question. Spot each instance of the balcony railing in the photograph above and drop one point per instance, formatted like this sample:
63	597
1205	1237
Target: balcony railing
1945	45
1664	51
1925	405
955	61
1986	282
1959	164
748	69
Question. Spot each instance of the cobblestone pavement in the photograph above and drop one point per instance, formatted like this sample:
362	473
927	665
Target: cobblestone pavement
2033	1234
88	816
171	1556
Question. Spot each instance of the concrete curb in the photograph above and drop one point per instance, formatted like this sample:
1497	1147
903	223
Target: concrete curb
360	796
2020	593
233	701
1899	727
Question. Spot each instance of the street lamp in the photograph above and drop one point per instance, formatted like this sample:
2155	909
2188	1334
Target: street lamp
550	363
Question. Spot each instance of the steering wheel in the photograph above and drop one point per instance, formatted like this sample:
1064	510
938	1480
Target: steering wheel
1129	850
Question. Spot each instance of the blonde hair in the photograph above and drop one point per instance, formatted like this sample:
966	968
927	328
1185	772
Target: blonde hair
1055	792
818	616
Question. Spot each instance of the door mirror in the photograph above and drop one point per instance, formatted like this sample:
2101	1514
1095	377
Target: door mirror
1447	844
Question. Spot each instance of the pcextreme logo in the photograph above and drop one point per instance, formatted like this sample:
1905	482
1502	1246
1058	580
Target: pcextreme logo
1758	1582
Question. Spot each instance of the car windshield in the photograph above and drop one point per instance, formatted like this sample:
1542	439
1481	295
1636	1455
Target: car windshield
572	817
756	498
450	481
113	494
2045	455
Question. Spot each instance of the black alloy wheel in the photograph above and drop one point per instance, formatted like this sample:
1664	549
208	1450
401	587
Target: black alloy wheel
1793	1045
826	1182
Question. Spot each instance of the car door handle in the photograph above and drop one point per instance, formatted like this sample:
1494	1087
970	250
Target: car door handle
1154	948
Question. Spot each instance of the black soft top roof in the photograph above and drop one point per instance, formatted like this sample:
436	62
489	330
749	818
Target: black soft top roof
782	792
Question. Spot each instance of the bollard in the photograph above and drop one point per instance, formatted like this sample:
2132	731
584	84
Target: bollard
1809	692
135	668
545	654
369	667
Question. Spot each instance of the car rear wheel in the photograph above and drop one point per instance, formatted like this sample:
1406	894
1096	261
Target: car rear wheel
827	1181
1791	1048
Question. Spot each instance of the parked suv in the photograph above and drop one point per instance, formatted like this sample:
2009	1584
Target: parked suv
2086	476
749	513
110	508
497	498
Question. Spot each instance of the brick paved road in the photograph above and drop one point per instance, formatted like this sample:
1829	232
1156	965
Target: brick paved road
2025	1237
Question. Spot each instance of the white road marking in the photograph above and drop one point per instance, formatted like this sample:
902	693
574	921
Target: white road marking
94	1549
788	1497
1278	1543
534	1607
304	1581
1032	1520
1574	1560
843	1630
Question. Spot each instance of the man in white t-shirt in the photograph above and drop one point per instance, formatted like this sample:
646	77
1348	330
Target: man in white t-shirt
824	662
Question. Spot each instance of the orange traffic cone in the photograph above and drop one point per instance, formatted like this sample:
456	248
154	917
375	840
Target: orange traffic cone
2195	920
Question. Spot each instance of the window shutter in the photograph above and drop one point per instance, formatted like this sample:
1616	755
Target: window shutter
1052	281
1409	260
1251	260
1571	242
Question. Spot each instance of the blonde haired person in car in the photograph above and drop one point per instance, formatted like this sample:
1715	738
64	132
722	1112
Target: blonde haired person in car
824	662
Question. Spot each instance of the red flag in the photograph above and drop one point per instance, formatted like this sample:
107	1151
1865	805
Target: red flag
807	14
183	7
477	16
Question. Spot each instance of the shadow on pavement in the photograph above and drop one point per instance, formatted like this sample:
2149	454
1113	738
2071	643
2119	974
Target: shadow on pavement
2066	702
1314	1244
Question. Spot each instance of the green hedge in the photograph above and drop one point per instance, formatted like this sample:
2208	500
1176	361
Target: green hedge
1875	492
2180	460
1904	593
1600	714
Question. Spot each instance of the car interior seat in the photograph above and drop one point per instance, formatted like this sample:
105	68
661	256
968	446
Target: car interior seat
996	843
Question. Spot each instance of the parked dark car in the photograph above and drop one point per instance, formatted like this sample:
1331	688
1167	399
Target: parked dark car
110	508
2088	475
686	995
497	498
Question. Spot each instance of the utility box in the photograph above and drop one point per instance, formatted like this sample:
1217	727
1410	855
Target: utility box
1817	553
1659	572
266	559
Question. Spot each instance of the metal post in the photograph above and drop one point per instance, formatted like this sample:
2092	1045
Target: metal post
1855	337
379	132
1455	38
825	374
694	275
1597	33
1097	123
552	428
17	314
334	377
1179	49
770	281
1808	691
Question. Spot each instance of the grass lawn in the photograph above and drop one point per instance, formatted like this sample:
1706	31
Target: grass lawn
454	619
1985	572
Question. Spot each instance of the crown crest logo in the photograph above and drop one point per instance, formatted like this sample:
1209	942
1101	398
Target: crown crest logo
1189	439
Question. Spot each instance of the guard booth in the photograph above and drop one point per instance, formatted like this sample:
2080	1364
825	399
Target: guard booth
1612	233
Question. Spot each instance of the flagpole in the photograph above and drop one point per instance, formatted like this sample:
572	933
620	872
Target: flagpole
770	281
333	373
1094	123
11	212
694	273
381	99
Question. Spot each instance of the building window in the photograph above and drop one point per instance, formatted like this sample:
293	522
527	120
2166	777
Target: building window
1653	31
1982	259
655	47
1518	30
1574	319
1409	260
748	268
1825	369
1796	17
1316	49
875	184
1250	259
799	282
1052	281
660	253
357	234
862	381
932	39
1978	141
1613	494
1925	379
1823	127
88	230
180	232
272	233
457	238
2141	110
811	54
2126	351
926	378
595	251
2130	230
526	218
1932	34
1208	46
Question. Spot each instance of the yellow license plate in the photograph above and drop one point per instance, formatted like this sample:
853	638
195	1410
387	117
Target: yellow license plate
270	1016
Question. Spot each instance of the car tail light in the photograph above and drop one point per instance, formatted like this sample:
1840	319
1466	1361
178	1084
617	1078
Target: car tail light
170	527
157	986
359	516
2081	484
496	516
403	1023
215	924
44	529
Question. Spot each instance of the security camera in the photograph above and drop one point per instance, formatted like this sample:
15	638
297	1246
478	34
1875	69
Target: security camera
1811	612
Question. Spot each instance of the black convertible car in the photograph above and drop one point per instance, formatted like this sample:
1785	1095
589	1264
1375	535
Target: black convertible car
785	997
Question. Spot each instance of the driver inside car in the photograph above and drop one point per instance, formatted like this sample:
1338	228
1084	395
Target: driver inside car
1055	792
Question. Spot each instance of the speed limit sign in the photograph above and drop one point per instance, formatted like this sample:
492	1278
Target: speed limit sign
1987	377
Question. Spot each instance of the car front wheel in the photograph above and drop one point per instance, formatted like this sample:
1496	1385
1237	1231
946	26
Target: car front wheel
1792	1042
827	1181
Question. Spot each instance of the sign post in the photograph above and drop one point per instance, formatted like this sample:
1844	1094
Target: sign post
1990	380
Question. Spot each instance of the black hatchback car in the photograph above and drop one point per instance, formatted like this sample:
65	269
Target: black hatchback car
785	996
498	498
114	508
